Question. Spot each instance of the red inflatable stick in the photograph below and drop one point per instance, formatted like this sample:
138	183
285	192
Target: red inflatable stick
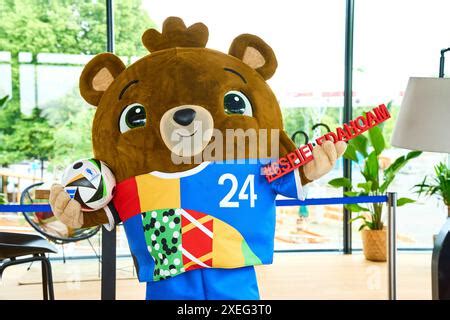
303	155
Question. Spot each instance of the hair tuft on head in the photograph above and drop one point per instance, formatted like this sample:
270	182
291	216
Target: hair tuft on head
175	34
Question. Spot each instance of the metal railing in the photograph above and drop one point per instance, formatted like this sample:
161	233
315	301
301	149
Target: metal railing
391	200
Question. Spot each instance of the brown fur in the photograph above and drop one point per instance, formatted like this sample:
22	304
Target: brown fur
179	71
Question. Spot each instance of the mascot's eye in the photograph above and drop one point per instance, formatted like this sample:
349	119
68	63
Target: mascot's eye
132	117
235	102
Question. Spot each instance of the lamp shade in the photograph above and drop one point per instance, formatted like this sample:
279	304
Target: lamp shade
424	119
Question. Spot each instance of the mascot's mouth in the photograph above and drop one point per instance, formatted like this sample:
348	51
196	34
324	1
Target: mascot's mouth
186	130
183	132
189	135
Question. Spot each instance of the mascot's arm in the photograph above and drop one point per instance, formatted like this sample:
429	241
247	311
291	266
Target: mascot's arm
325	157
287	146
95	218
69	210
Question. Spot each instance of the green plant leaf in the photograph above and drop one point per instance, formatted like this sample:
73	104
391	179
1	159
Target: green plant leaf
350	153
340	182
391	171
2	198
351	193
412	155
366	186
362	227
360	144
395	166
357	218
403	201
370	225
354	207
3	101
377	140
439	185
370	171
422	187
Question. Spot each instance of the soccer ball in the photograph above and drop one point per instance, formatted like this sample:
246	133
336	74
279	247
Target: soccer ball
90	182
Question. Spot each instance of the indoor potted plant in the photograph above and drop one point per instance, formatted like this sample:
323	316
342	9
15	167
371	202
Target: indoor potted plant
440	185
370	147
2	198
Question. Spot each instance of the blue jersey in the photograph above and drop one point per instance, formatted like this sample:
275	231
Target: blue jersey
217	215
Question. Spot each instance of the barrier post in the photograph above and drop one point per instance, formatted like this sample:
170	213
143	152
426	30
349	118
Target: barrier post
392	245
108	283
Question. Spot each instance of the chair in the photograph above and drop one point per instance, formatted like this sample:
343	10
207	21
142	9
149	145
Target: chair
18	245
46	223
49	226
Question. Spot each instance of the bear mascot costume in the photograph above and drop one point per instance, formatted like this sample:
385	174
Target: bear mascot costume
197	211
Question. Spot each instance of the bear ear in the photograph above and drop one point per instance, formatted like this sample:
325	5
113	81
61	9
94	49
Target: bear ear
98	75
253	51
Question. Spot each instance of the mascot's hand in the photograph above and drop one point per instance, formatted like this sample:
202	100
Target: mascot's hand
65	209
325	157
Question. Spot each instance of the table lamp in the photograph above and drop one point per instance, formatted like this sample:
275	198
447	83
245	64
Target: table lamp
424	124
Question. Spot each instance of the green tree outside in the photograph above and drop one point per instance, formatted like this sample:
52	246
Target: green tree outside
67	27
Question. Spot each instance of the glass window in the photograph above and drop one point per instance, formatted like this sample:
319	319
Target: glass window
395	40
45	124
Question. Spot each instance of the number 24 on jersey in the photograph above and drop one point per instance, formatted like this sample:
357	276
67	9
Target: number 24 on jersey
246	191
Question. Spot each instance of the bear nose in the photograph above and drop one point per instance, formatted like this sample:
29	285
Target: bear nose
184	116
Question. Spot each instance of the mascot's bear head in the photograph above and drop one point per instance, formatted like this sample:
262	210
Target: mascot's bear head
178	94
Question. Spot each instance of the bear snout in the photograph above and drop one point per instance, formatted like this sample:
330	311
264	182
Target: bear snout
184	116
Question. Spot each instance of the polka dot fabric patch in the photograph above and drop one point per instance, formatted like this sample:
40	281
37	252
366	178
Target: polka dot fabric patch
162	230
